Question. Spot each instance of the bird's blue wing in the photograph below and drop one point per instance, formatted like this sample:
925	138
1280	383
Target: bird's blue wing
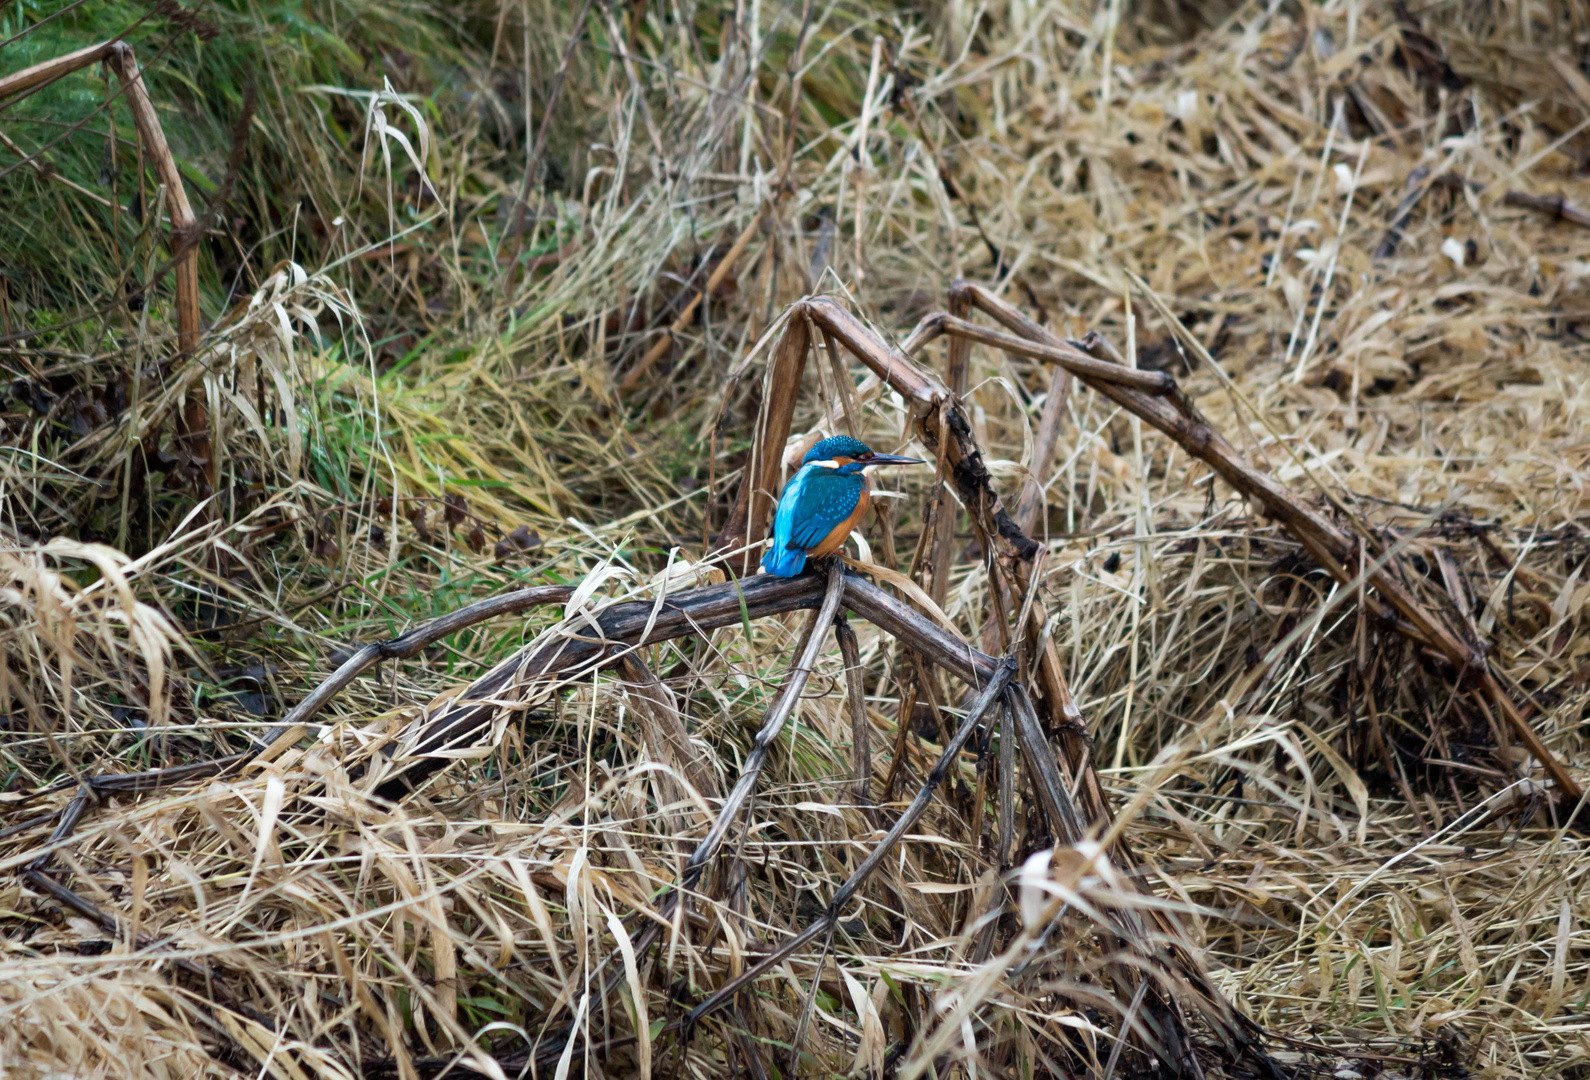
822	502
813	504
783	558
784	516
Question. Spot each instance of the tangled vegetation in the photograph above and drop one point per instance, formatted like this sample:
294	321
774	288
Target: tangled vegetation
490	297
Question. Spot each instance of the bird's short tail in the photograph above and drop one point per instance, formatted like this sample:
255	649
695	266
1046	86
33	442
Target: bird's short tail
784	561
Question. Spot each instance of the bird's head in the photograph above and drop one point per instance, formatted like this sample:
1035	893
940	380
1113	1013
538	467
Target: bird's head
850	456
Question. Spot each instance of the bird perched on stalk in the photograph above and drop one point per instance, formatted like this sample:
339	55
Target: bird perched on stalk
824	501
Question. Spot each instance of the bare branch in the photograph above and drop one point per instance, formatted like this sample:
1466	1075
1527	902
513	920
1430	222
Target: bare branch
405	645
825	923
781	711
1325	543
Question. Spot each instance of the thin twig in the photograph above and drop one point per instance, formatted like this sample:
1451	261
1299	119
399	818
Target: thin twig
781	711
974	716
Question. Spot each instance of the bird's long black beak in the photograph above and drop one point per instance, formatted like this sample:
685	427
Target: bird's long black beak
893	459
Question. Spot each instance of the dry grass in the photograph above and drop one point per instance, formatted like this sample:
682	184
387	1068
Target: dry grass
1318	191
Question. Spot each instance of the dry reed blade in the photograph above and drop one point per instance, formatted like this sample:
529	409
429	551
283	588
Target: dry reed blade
666	727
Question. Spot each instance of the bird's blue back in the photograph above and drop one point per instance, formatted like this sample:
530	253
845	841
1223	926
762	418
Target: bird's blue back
816	501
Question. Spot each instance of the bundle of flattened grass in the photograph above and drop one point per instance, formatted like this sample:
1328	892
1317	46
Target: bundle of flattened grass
501	357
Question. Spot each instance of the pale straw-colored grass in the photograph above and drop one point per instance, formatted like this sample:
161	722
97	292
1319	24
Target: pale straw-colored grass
1369	877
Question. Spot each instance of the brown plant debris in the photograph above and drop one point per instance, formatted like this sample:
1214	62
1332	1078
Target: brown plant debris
386	683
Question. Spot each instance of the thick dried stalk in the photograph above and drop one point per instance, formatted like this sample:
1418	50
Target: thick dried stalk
941	552
845	388
291	729
539	666
184	226
754	504
935	542
1325	543
118	55
1007	789
118	928
1068	357
50	70
184	242
1043	444
1053	796
1007	831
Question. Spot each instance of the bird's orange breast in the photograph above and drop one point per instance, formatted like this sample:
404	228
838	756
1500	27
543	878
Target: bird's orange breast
836	539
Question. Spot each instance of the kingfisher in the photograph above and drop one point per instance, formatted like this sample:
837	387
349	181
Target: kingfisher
824	501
